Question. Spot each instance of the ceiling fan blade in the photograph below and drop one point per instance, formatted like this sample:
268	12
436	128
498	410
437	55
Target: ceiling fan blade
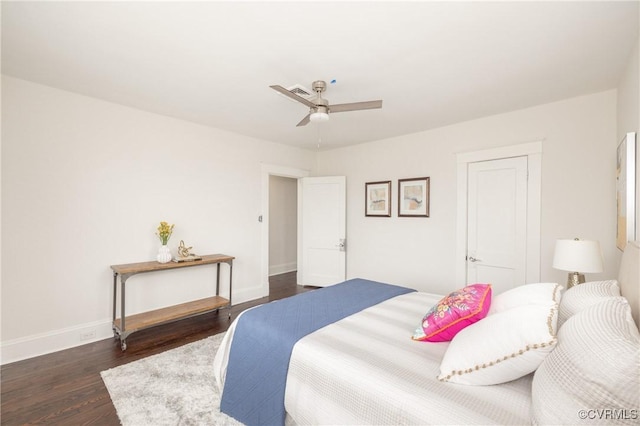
355	106
293	96
304	121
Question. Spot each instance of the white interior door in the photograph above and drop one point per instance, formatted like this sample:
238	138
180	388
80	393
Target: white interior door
322	231
497	223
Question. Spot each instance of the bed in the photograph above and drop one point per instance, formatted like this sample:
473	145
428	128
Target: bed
365	368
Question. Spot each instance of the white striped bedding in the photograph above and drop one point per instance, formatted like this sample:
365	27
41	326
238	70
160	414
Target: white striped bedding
365	369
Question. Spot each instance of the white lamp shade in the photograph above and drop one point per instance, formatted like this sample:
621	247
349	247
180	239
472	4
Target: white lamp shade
318	117
578	256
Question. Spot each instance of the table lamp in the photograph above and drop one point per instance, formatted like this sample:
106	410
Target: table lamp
577	257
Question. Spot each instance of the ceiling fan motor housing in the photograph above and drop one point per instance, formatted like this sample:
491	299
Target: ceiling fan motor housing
319	86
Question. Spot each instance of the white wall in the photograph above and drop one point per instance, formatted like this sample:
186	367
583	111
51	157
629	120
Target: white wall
578	189
283	221
85	184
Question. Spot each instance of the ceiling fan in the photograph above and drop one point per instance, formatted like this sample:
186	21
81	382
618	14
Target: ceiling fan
319	108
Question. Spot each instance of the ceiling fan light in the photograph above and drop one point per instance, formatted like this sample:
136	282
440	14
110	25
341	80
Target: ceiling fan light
319	117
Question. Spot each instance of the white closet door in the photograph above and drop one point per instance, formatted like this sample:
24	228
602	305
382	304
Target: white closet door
497	223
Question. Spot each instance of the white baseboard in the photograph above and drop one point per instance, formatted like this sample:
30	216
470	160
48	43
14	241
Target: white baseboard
58	340
282	268
248	294
53	341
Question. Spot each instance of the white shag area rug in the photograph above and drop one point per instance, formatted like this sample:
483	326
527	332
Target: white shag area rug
176	387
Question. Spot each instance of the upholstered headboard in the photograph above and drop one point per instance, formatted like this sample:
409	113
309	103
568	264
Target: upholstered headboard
629	278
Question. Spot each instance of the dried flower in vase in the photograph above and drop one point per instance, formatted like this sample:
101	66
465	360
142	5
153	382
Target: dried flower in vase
164	232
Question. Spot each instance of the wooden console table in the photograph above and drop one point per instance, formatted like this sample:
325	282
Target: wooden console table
125	325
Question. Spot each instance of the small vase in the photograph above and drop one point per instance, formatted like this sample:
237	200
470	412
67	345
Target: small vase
164	254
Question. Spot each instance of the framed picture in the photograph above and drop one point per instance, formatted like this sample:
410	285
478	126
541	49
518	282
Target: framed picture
626	191
413	197
378	199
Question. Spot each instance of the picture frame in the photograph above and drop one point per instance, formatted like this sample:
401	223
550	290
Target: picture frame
413	197
377	201
626	191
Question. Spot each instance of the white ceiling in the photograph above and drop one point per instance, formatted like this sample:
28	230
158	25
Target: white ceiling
432	63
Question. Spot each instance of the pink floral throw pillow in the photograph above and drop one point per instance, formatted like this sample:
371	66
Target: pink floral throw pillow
454	312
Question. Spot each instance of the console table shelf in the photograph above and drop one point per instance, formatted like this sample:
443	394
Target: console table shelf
127	324
172	313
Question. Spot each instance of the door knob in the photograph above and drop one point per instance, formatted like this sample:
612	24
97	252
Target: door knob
473	259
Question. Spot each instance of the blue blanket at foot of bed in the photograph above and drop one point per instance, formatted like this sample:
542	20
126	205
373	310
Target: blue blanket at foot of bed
265	336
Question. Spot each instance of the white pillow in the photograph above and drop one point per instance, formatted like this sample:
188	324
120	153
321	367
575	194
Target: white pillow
592	375
526	295
583	295
502	347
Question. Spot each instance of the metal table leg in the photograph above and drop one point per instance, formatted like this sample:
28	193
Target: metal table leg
123	333
230	285
115	297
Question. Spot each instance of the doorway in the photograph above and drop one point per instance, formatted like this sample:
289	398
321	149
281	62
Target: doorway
283	225
268	171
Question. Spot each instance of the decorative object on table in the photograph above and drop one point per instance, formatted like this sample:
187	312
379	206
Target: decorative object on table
413	197
164	254
184	254
577	256
378	199
626	191
164	233
183	250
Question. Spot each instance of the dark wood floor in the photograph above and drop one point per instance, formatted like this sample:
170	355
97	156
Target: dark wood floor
65	387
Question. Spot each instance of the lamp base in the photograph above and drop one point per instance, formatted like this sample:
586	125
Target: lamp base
574	279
